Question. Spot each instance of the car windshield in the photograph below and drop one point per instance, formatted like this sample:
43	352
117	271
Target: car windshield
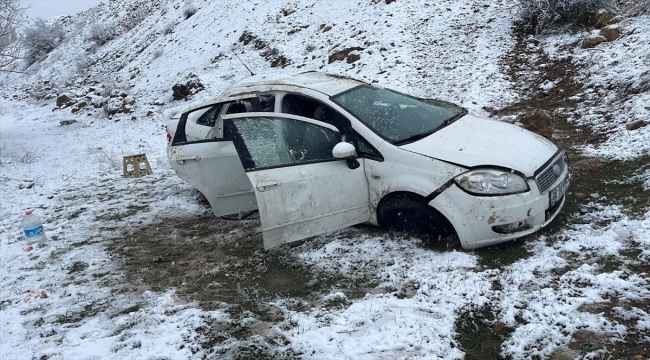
397	117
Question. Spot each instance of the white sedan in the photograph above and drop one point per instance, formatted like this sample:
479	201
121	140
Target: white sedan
317	152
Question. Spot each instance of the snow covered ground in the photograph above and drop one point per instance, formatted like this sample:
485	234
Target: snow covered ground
72	299
616	79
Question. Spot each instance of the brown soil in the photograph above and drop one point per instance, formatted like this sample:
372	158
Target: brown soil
593	180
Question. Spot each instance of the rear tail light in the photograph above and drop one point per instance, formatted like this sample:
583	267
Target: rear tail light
169	137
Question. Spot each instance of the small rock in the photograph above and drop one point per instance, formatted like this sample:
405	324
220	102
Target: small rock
26	185
179	91
150	112
287	12
588	43
389	1
67	122
636	125
352	58
343	54
327	28
610	33
62	100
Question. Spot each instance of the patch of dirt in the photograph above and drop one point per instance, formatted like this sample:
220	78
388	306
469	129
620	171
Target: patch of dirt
222	264
546	112
208	260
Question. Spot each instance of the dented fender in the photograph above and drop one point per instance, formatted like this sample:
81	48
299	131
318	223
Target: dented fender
474	217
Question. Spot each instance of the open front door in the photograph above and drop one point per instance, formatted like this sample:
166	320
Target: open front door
301	190
213	167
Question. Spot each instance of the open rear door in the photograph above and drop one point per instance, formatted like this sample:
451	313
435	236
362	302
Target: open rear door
301	190
213	167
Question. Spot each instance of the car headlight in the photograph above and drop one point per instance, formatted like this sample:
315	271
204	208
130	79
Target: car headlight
491	182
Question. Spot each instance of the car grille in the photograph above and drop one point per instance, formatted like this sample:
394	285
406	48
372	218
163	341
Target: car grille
551	173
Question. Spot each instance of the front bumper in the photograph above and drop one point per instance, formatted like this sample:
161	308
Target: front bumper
488	220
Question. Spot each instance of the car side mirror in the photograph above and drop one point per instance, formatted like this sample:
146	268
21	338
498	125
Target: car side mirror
343	150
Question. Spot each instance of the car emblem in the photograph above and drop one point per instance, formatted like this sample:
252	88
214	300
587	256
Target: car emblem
556	170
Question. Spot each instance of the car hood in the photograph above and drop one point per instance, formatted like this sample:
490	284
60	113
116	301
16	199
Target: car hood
474	140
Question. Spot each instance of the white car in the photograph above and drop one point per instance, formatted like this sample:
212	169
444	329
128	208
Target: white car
317	152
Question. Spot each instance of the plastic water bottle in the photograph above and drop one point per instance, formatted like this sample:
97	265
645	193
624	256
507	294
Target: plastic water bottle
33	228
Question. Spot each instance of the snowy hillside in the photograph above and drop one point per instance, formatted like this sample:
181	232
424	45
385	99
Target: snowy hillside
139	269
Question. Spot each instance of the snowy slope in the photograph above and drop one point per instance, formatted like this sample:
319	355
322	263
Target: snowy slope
404	44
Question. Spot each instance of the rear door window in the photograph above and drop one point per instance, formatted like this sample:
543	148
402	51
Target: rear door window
209	118
258	103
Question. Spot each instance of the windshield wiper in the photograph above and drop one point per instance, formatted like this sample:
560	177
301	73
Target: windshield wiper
452	119
414	138
417	137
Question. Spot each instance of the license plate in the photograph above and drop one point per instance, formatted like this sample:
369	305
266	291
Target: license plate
559	191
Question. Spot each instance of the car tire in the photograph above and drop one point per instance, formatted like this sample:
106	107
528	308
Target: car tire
406	213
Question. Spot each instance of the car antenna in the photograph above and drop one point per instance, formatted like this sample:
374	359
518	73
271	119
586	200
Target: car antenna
249	70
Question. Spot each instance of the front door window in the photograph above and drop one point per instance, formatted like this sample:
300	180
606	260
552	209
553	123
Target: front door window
268	142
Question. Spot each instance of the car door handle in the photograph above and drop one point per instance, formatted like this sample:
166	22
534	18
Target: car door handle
185	159
268	185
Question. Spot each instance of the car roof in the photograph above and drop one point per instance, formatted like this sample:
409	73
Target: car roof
327	84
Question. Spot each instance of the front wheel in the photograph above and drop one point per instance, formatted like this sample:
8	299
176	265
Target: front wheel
404	213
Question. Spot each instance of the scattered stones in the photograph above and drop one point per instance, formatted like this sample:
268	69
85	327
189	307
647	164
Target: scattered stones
287	12
635	125
591	42
271	54
62	100
96	101
118	104
26	184
182	91
343	54
179	91
610	33
352	57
